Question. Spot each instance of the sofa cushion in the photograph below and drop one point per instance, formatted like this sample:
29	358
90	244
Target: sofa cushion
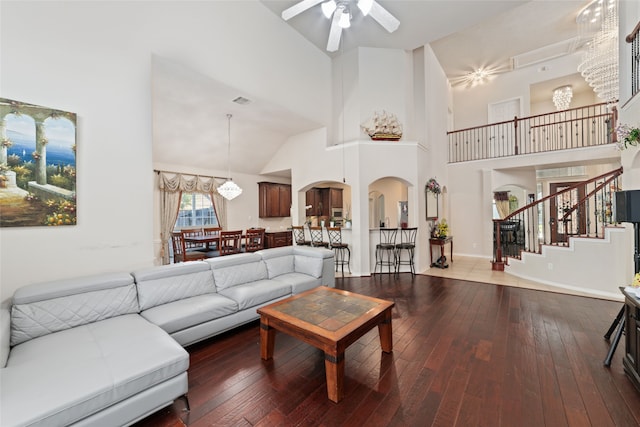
308	265
233	270
279	265
44	308
255	293
182	314
167	283
299	282
63	377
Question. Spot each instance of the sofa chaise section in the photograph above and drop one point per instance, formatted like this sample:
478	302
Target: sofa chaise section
80	350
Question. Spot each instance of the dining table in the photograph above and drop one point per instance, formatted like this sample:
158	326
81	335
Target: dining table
204	239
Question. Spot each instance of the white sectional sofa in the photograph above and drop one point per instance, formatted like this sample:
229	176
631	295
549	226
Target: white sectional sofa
107	350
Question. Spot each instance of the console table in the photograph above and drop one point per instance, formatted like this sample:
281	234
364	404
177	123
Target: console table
437	241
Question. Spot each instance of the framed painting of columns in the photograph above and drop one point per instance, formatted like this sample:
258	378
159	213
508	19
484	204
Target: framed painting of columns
37	165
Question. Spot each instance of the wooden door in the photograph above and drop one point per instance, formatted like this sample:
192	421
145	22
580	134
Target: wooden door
576	223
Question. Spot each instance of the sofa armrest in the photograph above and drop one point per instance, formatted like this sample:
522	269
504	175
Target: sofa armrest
5	334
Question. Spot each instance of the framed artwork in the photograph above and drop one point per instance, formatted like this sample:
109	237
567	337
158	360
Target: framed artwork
37	165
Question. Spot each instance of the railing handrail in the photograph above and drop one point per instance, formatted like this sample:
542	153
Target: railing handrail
599	187
516	118
615	172
634	33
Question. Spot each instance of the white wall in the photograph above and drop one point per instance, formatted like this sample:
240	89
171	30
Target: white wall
94	59
470	103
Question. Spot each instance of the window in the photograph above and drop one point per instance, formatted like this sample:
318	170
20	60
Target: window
196	209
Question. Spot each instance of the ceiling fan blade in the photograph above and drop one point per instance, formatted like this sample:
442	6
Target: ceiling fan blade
298	8
334	33
384	18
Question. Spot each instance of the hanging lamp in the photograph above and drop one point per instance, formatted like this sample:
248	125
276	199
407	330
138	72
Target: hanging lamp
229	190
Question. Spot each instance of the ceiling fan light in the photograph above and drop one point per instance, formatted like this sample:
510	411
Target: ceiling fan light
345	19
328	8
365	6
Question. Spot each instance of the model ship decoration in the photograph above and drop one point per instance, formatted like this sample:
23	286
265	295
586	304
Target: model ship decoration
383	127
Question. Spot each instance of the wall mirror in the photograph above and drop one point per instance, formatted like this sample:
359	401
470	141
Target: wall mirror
431	200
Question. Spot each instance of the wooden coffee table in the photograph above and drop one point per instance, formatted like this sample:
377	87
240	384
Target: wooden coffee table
329	319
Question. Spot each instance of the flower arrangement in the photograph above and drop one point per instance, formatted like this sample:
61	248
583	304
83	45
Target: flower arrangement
440	229
433	186
627	136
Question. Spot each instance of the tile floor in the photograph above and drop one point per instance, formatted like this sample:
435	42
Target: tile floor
479	270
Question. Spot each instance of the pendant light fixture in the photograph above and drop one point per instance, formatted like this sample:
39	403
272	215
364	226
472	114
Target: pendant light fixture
229	190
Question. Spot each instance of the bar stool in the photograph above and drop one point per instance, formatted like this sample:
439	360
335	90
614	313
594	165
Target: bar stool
316	237
335	241
386	249
408	243
298	236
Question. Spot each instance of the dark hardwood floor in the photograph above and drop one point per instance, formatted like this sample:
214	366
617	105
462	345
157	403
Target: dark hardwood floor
465	354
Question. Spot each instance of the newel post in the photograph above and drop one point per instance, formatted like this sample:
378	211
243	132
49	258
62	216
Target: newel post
498	263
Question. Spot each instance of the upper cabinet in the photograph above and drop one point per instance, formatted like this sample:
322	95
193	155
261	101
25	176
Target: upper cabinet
323	200
274	200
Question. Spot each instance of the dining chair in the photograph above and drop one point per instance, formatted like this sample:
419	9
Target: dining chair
230	242
193	246
180	253
213	232
299	237
317	238
340	248
254	239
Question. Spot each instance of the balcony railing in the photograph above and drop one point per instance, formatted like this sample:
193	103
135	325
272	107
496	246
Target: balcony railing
579	210
634	40
588	126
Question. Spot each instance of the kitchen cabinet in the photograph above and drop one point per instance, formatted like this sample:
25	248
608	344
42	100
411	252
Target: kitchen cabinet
323	200
274	200
335	197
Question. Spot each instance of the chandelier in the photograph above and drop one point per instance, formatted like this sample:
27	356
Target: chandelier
598	22
562	97
229	190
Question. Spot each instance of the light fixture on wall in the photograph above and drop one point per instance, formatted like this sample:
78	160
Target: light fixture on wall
229	190
598	23
562	97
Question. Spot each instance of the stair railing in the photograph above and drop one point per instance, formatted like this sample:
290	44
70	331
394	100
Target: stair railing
583	209
587	126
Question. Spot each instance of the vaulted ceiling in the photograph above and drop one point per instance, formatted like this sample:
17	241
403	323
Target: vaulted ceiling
463	34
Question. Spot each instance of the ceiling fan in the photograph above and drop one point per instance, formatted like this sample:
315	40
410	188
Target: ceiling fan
340	14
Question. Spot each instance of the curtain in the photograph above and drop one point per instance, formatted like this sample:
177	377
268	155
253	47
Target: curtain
502	203
171	187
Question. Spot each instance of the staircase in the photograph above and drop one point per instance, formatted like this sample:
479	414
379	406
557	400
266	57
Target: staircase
565	239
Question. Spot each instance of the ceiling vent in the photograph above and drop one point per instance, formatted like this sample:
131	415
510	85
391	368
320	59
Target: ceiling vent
242	100
546	53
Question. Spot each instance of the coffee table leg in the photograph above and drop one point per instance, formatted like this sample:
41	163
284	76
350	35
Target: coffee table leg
385	332
334	370
267	339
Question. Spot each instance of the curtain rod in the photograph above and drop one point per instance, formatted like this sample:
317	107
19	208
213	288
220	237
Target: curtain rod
191	174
